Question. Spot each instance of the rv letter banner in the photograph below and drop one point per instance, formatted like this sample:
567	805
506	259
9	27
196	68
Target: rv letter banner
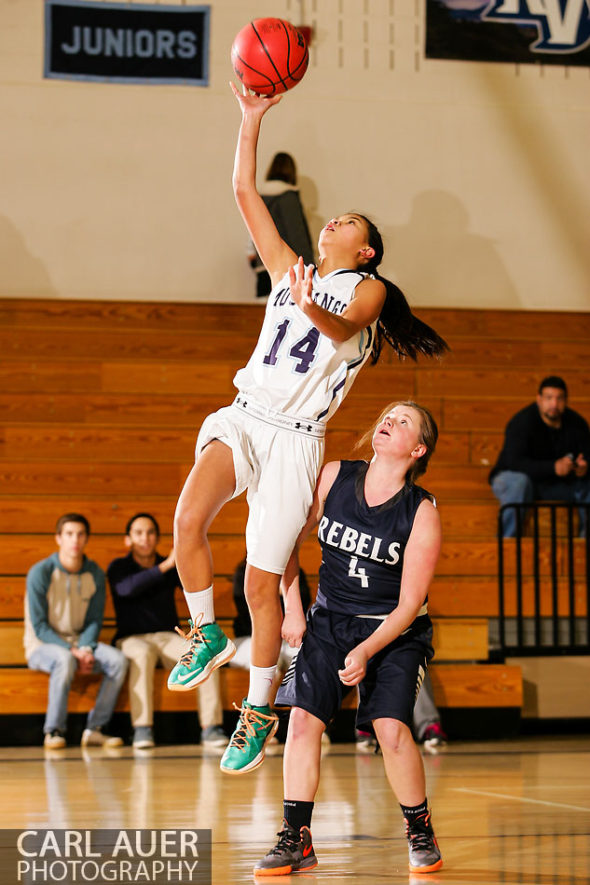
123	43
556	32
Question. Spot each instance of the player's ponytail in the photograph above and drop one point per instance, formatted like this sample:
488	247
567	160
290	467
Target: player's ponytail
397	325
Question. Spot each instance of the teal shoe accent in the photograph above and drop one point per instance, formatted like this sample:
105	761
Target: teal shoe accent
245	751
209	649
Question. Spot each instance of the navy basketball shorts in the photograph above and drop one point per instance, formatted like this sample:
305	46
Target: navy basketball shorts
392	680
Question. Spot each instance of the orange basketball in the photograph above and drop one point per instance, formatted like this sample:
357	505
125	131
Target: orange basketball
269	56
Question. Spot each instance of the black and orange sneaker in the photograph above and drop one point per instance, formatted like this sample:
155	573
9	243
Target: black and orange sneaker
293	852
422	846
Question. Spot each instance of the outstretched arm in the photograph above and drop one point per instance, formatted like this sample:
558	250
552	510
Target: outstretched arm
276	255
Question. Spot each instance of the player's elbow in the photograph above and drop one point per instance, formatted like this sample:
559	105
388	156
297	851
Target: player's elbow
342	332
242	188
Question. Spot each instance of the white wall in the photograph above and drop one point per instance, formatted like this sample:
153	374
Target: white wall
477	174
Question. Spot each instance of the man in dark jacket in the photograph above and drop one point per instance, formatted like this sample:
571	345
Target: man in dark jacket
545	455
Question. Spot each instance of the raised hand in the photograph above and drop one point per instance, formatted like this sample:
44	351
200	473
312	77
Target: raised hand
301	284
258	104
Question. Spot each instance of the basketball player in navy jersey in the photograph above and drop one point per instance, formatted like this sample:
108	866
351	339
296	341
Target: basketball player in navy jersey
380	537
321	325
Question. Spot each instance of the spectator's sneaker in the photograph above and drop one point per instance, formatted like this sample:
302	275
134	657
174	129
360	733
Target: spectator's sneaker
209	649
366	742
422	847
143	737
54	740
93	737
434	738
293	852
214	737
245	751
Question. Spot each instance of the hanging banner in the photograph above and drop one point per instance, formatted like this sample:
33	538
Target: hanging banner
518	31
126	43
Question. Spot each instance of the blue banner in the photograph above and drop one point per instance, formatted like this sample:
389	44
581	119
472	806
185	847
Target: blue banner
124	43
516	31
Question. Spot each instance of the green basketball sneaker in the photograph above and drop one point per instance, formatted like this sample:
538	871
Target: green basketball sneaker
245	751
209	649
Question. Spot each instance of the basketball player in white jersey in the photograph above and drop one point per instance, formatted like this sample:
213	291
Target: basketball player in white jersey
321	324
380	537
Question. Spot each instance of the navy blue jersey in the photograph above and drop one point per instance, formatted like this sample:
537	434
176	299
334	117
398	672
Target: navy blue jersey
363	547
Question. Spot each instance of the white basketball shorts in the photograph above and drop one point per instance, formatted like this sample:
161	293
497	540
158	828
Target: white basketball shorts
277	458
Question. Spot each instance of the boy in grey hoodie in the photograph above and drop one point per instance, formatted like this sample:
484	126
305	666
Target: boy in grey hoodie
64	607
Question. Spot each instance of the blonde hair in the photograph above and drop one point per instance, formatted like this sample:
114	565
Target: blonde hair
428	436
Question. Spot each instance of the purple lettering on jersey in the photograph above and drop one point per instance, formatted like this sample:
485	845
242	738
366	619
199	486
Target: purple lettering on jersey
271	357
282	297
304	350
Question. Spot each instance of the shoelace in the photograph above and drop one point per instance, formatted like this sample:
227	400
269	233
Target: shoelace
420	832
195	634
249	719
288	840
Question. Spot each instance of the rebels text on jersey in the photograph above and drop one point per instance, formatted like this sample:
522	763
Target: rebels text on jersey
296	370
363	547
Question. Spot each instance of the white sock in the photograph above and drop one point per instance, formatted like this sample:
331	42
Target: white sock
201	603
261	679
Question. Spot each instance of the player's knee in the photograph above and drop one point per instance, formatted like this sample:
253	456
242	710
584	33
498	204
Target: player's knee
261	592
257	598
189	523
302	725
392	734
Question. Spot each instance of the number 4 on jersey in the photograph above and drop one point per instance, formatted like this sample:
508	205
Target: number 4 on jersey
360	573
303	351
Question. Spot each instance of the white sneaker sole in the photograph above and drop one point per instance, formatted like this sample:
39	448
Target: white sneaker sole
222	658
258	760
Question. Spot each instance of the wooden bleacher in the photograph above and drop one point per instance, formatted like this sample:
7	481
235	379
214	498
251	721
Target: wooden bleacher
100	405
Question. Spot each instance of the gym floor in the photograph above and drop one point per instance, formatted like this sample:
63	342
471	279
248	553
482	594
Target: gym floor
514	812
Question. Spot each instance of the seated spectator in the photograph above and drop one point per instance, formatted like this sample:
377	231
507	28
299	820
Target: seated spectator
545	455
142	585
64	607
426	719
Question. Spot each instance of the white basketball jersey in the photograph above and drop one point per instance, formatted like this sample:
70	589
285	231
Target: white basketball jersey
295	369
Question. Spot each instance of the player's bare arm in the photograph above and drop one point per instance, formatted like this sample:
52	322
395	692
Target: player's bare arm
274	252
